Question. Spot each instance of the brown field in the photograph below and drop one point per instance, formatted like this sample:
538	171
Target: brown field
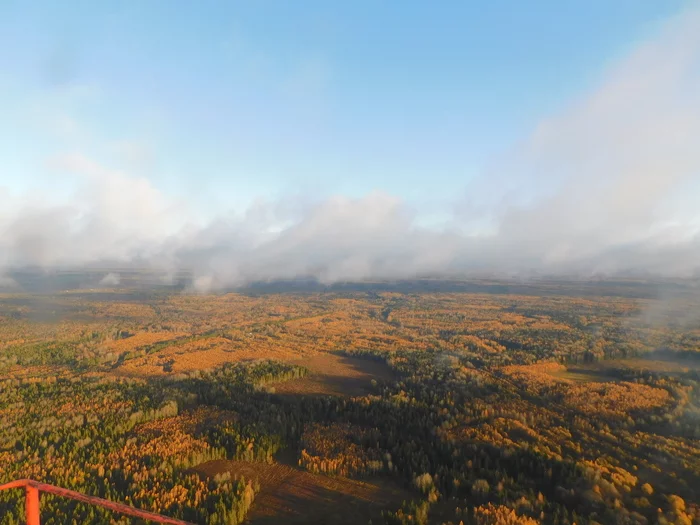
293	496
333	374
600	372
582	375
652	365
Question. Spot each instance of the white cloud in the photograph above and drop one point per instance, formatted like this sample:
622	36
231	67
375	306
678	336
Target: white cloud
111	215
111	279
611	184
8	283
607	177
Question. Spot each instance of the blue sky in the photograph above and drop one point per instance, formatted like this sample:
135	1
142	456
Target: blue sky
229	101
507	116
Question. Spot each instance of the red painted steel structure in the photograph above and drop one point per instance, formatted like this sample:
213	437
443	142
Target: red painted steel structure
33	488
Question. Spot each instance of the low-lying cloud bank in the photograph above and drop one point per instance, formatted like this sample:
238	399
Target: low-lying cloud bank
610	185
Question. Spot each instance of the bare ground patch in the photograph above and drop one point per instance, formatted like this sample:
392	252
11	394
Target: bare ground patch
667	366
293	496
334	374
583	375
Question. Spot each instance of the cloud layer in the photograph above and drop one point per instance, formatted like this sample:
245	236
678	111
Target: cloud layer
610	185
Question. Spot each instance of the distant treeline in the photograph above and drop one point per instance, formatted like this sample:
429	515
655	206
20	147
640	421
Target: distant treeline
43	281
632	289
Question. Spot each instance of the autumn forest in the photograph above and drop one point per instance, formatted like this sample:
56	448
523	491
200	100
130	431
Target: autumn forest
440	403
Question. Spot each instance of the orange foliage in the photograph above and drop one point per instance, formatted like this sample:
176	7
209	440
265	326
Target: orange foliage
500	515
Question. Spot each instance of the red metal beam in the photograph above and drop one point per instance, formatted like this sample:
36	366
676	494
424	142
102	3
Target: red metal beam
16	484
32	502
31	505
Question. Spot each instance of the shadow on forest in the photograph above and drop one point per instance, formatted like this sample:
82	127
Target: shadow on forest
338	375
